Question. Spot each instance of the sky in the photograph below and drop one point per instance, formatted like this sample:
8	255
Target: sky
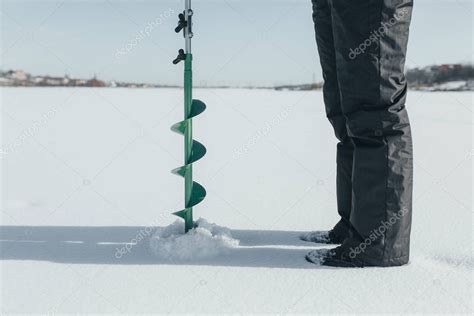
236	42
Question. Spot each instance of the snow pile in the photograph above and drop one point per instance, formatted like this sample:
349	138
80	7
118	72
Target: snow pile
317	256
316	236
205	241
452	86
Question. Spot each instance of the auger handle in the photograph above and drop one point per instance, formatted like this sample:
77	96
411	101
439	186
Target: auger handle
182	23
181	56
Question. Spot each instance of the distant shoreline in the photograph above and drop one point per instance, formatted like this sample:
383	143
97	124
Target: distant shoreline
445	77
220	88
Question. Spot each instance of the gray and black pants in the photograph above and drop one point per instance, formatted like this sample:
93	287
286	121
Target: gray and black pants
362	47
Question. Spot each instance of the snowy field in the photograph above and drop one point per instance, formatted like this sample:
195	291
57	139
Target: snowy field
85	179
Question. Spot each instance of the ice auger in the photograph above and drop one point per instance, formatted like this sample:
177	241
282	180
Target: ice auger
194	193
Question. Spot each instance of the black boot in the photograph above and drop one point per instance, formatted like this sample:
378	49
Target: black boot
336	257
335	236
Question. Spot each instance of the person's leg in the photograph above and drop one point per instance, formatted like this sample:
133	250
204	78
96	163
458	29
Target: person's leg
371	39
324	37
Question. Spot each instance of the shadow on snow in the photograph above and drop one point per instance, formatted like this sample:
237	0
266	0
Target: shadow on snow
98	245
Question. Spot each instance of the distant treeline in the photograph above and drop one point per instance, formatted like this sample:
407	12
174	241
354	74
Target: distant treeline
433	75
447	77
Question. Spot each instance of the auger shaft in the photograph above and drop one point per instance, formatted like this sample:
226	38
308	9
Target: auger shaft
188	101
188	34
194	193
188	139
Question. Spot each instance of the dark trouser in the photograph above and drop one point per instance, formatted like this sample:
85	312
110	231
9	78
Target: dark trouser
362	47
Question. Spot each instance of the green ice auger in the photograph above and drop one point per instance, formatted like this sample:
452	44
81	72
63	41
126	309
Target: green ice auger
194	193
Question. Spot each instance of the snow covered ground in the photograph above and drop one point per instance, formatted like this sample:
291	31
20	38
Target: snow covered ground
85	178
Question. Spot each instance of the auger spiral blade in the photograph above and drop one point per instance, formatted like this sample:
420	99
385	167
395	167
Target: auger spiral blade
193	150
